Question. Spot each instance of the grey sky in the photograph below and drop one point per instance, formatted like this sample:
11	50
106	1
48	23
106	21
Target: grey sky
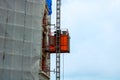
95	39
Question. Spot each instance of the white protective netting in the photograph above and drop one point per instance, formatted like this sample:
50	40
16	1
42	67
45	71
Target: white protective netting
20	39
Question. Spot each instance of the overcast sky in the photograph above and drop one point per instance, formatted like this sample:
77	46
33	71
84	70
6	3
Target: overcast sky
94	27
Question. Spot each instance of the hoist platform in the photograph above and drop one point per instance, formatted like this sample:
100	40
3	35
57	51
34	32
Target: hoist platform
64	42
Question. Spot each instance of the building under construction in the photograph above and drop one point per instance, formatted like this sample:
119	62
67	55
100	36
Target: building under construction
26	40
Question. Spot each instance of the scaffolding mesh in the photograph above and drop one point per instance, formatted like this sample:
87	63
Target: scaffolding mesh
20	39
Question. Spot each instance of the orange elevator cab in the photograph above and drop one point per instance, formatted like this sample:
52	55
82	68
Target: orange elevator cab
64	42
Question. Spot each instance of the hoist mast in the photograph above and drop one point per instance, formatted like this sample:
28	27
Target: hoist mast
59	41
58	32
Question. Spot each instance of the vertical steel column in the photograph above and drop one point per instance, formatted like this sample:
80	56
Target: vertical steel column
58	32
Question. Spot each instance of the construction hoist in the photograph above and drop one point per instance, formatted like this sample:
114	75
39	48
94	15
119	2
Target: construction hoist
60	40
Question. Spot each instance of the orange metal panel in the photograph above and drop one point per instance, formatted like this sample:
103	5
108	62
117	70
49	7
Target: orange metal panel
52	49
64	44
52	44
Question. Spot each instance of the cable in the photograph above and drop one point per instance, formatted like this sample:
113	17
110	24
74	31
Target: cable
63	66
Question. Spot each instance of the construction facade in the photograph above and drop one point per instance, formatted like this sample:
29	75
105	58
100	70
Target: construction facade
23	24
26	39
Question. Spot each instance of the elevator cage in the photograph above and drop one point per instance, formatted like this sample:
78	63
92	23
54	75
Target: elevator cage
64	42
